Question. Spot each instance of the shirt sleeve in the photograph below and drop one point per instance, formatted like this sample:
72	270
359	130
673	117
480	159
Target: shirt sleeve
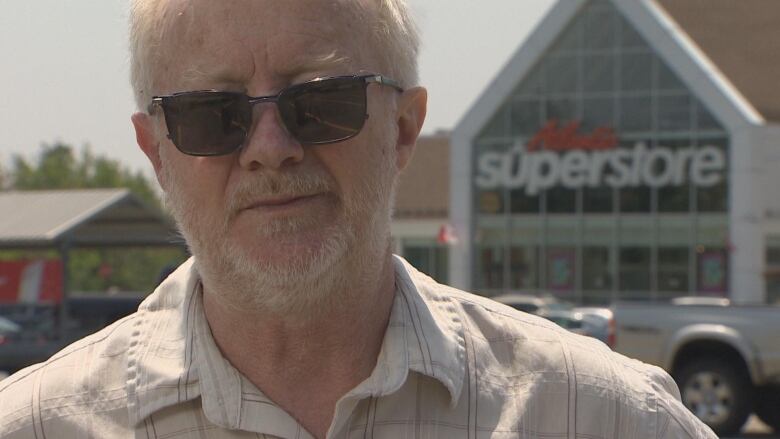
674	420
682	425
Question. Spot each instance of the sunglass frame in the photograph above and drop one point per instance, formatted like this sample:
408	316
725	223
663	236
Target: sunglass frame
161	100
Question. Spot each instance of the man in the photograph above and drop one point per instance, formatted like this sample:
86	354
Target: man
277	130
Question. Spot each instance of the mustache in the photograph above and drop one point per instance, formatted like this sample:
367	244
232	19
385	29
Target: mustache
263	186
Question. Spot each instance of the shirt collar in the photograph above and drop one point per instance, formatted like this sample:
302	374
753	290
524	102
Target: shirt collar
160	361
433	328
172	357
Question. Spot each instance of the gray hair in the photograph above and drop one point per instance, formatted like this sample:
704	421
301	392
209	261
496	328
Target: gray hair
393	34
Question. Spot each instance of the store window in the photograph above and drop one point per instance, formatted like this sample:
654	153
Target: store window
600	74
526	117
715	197
490	269
598	112
498	126
704	119
674	197
490	202
561	270
634	270
598	200
712	271
561	73
773	270
521	202
635	200
675	112
636	114
596	269
531	87
561	200
668	81
599	32
636	72
523	268
563	110
430	258
673	269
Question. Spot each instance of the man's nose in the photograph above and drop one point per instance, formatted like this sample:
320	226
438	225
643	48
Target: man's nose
268	143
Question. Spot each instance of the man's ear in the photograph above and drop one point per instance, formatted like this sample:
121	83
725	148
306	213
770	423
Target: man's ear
145	136
412	108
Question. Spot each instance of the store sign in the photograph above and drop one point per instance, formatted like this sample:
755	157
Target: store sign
559	156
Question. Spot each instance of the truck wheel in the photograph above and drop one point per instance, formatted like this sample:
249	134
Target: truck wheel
717	392
768	406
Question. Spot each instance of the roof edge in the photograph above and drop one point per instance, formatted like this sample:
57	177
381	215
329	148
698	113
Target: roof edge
519	64
677	34
59	231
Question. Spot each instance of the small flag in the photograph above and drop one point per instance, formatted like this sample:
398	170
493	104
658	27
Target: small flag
447	235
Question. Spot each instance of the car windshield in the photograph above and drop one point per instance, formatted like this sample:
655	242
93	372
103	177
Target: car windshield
558	306
525	307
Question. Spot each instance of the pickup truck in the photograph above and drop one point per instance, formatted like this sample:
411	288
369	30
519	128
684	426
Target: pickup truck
724	358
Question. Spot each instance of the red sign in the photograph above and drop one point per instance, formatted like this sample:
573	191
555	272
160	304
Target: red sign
33	281
565	138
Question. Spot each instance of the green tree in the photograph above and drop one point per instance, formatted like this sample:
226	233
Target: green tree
59	166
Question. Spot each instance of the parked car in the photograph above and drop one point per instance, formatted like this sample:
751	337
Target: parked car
598	323
40	334
8	330
725	358
591	321
698	300
532	304
566	319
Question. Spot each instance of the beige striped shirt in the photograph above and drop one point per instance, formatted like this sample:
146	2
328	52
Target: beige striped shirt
452	365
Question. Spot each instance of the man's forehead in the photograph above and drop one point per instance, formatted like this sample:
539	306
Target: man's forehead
338	15
204	74
213	40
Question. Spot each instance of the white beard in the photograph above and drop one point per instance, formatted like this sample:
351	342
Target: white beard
309	283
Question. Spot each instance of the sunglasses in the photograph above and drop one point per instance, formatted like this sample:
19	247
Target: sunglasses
213	123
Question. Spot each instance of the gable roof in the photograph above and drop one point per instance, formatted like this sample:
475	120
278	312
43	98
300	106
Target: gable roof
742	38
81	217
658	27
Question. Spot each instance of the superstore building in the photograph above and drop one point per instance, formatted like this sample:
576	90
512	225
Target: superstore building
629	149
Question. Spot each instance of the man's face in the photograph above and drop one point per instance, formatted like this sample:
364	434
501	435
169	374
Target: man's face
275	214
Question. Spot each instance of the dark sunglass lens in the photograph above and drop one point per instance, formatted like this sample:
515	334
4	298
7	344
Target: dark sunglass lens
208	123
324	111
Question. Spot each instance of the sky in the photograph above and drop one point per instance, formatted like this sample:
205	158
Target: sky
64	69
